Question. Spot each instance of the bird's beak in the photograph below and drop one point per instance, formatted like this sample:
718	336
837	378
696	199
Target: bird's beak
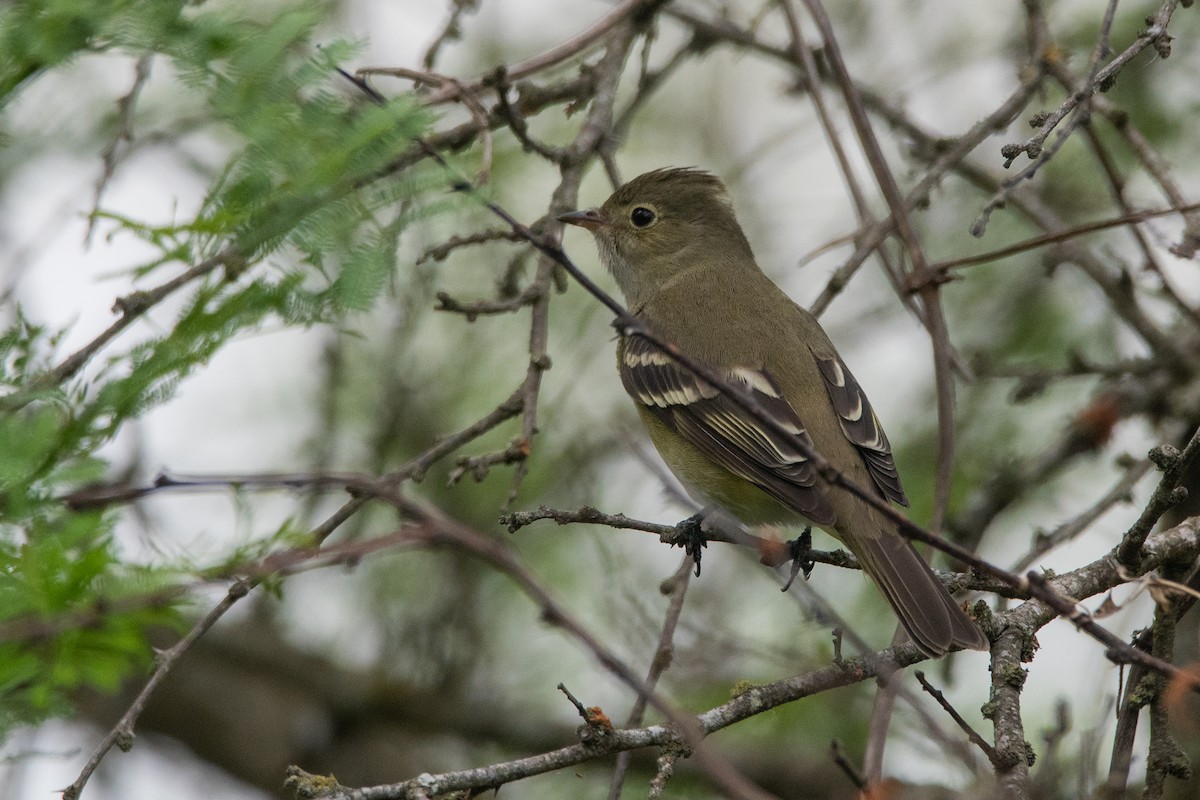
589	218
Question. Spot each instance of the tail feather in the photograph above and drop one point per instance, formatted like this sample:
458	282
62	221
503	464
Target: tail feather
933	619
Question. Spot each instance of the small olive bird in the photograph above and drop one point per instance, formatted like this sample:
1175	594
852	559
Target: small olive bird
671	240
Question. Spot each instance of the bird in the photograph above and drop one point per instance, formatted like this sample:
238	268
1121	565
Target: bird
672	242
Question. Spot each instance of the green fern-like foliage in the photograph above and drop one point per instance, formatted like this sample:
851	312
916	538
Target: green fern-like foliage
299	227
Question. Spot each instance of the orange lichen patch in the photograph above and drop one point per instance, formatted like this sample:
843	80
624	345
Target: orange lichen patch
597	718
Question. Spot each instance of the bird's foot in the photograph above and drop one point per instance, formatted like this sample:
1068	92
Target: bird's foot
800	551
691	538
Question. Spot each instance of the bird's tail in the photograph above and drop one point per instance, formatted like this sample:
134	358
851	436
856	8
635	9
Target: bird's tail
933	619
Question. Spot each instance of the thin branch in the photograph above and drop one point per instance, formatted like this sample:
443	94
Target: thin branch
577	45
1121	492
807	68
664	652
879	722
1131	218
477	308
674	535
126	106
1076	104
446	530
856	778
121	734
666	768
971	733
1169	492
451	31
442	251
1150	258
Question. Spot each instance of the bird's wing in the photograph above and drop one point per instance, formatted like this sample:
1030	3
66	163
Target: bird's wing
724	432
861	426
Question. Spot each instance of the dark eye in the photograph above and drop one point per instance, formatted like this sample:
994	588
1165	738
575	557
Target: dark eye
641	217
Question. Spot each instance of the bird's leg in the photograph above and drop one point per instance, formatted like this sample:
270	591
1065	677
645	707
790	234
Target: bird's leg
691	538
800	550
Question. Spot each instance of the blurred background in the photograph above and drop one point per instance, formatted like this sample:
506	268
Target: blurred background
414	660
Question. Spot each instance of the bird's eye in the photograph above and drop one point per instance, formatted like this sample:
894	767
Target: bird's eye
641	217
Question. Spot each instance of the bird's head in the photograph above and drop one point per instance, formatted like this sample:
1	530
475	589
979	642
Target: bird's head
660	224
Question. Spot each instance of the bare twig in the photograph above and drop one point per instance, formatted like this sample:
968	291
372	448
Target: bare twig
663	654
725	531
441	251
1130	219
1155	35
121	734
1168	493
666	768
126	106
1119	493
807	67
971	733
575	46
451	31
846	766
